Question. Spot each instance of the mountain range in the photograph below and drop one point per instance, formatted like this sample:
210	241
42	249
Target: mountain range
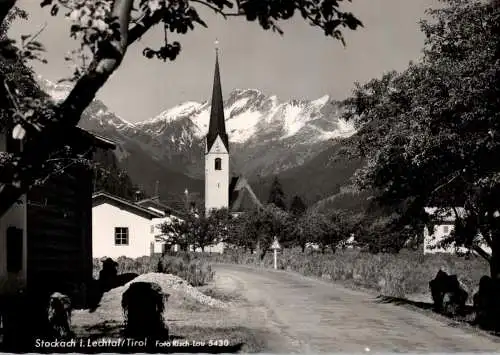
296	140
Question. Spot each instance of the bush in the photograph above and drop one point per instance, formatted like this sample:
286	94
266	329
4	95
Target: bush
193	267
398	275
196	271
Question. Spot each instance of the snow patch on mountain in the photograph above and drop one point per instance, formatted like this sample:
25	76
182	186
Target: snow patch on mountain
96	110
249	113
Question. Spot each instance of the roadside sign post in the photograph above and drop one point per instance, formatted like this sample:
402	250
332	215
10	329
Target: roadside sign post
275	247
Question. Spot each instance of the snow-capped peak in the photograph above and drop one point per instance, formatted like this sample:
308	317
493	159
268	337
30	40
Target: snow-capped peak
180	111
321	101
249	113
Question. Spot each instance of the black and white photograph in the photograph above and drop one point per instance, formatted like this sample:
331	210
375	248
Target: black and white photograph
249	176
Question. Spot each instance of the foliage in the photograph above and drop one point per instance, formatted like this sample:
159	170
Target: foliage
429	132
257	229
110	178
14	14
195	270
94	24
196	230
297	206
276	194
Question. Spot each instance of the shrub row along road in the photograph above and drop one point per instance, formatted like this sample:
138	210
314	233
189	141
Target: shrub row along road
303	314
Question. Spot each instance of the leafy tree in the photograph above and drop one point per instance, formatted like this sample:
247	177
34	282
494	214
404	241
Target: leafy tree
176	232
256	230
110	178
429	133
196	230
276	194
106	29
314	227
297	206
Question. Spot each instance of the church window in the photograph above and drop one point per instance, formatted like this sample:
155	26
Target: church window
218	164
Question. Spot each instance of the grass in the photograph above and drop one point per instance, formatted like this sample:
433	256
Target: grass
398	275
196	271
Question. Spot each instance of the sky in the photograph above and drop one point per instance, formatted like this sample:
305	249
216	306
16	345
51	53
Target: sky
301	64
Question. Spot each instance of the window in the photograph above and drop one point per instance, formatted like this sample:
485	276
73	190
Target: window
446	229
218	164
152	229
121	236
14	249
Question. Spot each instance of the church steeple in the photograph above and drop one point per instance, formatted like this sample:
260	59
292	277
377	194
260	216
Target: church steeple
217	126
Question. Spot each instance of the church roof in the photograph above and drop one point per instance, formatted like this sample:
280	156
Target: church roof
242	198
217	126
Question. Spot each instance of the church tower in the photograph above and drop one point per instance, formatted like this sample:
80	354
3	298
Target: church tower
217	150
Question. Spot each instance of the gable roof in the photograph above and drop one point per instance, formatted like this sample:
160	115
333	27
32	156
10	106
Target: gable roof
157	204
242	198
104	197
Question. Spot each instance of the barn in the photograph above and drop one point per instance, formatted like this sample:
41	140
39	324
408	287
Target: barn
46	238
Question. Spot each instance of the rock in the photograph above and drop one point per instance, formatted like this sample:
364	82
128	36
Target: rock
59	316
487	303
144	305
448	294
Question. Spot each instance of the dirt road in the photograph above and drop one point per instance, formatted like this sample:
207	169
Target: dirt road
302	314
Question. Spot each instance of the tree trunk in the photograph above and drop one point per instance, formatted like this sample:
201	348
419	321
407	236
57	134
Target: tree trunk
333	247
262	254
303	246
495	262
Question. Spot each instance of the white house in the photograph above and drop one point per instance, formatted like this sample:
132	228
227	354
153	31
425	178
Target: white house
443	223
122	228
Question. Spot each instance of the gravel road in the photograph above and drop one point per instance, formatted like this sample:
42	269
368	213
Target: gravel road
302	314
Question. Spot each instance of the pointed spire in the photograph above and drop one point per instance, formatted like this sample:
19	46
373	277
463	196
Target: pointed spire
217	126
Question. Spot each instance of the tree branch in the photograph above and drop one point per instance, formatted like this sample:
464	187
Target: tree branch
481	252
217	10
67	115
104	64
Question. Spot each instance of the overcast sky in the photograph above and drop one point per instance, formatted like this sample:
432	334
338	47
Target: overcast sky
302	64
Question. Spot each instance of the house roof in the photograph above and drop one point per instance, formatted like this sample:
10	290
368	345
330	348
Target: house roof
97	139
242	198
103	197
447	214
156	203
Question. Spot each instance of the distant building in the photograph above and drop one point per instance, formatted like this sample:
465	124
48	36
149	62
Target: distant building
441	226
161	241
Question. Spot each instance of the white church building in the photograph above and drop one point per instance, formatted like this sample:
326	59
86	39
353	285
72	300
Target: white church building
222	190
